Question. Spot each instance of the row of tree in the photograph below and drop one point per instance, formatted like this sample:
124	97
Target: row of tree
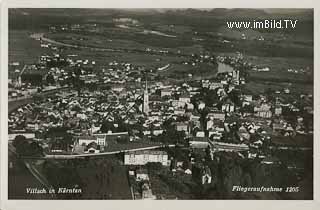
24	147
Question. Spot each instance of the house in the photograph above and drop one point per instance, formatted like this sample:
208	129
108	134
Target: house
246	100
201	105
147	192
100	139
190	106
216	131
142	175
192	93
146	132
263	110
200	134
215	85
92	147
117	88
188	171
243	133
146	156
289	131
205	83
95	129
215	135
195	120
199	142
278	110
216	115
185	98
210	124
154	117
221	92
206	177
278	125
228	107
165	92
157	131
82	116
85	140
179	112
182	126
178	104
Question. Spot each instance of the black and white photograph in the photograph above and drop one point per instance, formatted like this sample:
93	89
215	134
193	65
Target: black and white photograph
160	104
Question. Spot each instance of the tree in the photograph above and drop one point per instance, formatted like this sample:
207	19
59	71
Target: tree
34	149
195	99
210	97
154	166
24	148
247	108
172	136
19	140
33	78
60	135
269	94
234	97
50	79
107	126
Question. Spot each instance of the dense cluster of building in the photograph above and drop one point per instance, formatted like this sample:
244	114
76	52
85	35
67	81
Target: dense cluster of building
124	108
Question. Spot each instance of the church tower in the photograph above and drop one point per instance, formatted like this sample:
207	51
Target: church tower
145	107
18	81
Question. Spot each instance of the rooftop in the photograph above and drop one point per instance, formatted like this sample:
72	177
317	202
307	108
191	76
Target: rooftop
150	152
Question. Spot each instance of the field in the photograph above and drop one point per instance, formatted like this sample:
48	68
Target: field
24	49
100	178
19	179
104	179
142	58
102	59
260	86
279	77
187	31
279	67
298	141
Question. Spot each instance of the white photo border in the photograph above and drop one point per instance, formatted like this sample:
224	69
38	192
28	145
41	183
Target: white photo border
159	205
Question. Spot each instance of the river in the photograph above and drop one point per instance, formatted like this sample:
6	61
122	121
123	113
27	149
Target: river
224	68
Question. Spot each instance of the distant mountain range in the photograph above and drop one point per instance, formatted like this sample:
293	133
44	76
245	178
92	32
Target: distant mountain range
216	12
248	13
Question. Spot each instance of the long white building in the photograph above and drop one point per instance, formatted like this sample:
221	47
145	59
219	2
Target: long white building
146	156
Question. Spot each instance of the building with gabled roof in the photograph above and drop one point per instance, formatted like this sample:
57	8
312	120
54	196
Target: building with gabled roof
146	156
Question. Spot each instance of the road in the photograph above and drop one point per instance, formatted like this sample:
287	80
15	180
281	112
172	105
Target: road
24	68
39	176
291	148
33	171
43	38
221	146
98	154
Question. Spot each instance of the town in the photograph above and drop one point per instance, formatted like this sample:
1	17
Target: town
169	137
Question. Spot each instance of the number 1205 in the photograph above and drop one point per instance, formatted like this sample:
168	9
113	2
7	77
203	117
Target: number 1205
292	189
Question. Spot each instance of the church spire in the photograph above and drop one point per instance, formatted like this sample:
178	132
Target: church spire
146	84
146	100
